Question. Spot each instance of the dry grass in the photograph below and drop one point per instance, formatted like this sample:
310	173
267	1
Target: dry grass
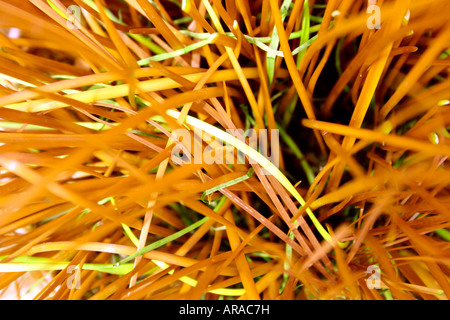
87	177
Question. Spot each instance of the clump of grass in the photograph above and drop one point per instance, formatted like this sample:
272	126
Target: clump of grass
94	206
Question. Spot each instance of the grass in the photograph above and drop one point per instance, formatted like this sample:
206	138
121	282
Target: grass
90	106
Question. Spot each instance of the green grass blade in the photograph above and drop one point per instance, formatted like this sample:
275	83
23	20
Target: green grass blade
179	52
444	234
62	14
229	183
130	234
306	25
270	58
301	48
157	244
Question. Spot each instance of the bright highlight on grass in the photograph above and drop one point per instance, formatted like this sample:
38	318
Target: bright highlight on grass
256	156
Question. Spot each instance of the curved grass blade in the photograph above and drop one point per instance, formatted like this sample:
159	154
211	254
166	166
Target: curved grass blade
259	158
